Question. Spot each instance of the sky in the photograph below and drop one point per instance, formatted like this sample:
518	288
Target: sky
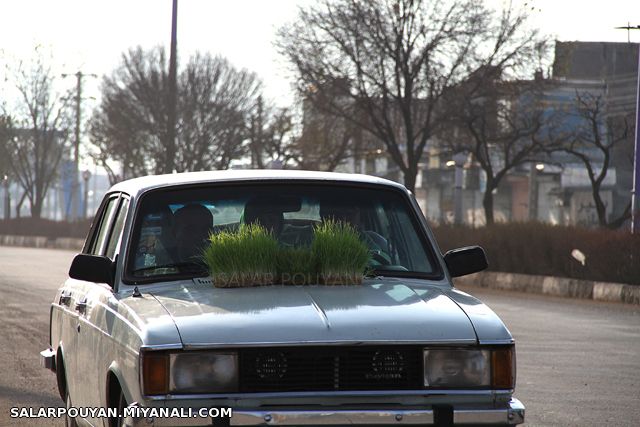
90	35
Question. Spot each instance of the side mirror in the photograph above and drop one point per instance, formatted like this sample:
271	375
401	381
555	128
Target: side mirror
467	260
92	268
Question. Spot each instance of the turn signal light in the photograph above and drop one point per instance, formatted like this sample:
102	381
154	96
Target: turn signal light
155	373
503	362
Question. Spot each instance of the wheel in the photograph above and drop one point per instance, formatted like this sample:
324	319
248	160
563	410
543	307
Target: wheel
121	404
68	421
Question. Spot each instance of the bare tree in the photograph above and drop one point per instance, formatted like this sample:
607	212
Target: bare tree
35	133
129	126
272	136
395	59
592	140
325	142
214	101
500	123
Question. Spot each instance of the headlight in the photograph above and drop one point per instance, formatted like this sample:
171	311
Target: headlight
188	372
453	368
469	368
203	372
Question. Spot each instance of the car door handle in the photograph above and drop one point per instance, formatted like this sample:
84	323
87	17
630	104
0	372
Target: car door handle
81	306
65	298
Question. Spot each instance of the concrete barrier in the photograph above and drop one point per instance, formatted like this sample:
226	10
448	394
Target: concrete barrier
42	242
555	286
607	291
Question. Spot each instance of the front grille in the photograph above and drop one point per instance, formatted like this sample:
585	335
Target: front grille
330	368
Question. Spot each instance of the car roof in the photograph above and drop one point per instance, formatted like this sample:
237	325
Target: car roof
140	185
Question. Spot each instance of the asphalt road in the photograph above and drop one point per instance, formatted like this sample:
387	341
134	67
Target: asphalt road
578	361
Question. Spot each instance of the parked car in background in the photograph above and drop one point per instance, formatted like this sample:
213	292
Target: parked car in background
139	323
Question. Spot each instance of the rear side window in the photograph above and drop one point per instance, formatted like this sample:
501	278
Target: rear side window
117	229
102	231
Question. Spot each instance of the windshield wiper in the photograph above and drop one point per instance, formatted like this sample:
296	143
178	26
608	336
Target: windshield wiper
399	273
378	273
182	267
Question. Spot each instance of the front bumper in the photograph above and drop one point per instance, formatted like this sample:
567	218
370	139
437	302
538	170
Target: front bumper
511	414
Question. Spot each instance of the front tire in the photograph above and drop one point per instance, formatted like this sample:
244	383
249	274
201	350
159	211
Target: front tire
121	403
68	421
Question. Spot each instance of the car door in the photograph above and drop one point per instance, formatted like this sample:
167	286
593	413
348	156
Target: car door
91	362
75	302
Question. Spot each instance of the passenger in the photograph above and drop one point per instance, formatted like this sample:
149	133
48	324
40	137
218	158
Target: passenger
260	211
156	238
192	225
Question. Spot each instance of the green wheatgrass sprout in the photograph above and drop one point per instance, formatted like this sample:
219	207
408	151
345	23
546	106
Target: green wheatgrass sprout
244	257
341	255
252	256
296	266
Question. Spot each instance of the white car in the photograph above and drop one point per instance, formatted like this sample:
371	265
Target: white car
140	328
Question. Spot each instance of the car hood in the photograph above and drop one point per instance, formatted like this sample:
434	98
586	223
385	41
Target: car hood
373	312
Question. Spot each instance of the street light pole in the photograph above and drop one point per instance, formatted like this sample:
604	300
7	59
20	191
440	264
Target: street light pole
75	184
170	149
635	192
85	176
459	159
635	200
7	198
76	151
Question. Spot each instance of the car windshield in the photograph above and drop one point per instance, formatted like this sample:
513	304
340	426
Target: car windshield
172	226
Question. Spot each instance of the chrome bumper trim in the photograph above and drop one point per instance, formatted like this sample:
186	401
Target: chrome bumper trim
48	359
329	417
316	394
512	414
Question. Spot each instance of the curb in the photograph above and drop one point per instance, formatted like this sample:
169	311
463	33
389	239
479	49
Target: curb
554	286
42	242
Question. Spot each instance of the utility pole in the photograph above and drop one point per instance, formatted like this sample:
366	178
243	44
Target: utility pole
170	148
75	183
635	192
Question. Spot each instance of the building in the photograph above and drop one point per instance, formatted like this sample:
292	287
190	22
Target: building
608	71
554	188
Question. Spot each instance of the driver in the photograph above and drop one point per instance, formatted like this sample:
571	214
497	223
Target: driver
192	225
349	214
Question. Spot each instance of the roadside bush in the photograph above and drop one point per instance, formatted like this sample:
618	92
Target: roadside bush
44	227
542	249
